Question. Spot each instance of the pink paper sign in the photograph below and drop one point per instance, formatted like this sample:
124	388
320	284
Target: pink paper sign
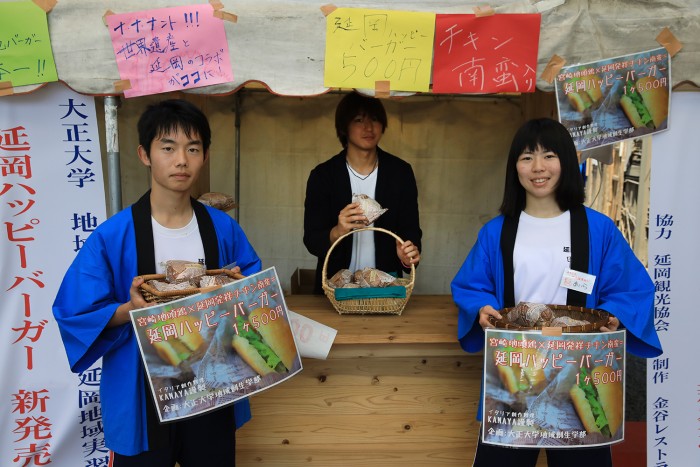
488	54
170	49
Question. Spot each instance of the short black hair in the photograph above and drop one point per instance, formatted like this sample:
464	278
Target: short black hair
352	105
170	116
552	136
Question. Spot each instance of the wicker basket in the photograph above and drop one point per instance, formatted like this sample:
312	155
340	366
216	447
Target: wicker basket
151	294
595	318
389	305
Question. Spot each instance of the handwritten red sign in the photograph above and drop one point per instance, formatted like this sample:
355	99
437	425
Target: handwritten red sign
490	54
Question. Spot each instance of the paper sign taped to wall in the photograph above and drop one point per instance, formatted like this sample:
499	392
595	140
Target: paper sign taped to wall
366	46
491	54
170	49
25	46
615	99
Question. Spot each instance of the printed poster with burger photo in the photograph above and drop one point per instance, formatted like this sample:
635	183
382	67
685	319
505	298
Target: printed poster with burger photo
208	350
562	391
615	99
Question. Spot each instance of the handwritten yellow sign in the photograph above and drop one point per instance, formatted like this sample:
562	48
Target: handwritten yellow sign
25	46
366	46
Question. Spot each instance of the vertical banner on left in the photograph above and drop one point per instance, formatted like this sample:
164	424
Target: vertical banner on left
51	198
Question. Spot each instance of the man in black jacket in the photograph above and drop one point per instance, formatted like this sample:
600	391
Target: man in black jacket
361	168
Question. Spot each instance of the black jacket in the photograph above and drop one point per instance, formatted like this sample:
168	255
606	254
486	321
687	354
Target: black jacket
328	192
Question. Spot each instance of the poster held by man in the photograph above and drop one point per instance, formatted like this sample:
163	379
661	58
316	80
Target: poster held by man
206	351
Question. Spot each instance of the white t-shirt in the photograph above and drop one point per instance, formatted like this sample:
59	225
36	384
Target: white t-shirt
363	242
184	243
541	255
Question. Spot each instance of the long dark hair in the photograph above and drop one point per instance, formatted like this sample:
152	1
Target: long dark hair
551	136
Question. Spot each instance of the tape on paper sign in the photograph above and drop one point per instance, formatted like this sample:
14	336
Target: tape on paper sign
107	13
669	41
6	88
551	331
216	4
226	16
46	5
122	85
382	89
328	9
552	68
484	10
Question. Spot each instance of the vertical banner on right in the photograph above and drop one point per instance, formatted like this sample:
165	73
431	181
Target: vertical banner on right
673	382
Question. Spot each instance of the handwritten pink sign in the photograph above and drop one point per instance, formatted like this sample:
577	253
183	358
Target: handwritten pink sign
170	49
489	54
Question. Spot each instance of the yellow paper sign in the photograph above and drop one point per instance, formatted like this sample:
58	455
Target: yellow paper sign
366	46
25	46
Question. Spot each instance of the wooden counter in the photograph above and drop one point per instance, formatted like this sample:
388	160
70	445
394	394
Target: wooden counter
394	390
427	319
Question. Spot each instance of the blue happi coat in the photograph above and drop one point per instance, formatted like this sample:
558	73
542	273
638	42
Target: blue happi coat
98	281
622	286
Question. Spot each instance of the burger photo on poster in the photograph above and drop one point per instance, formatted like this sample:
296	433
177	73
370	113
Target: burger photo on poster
264	340
645	102
585	93
597	397
184	345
